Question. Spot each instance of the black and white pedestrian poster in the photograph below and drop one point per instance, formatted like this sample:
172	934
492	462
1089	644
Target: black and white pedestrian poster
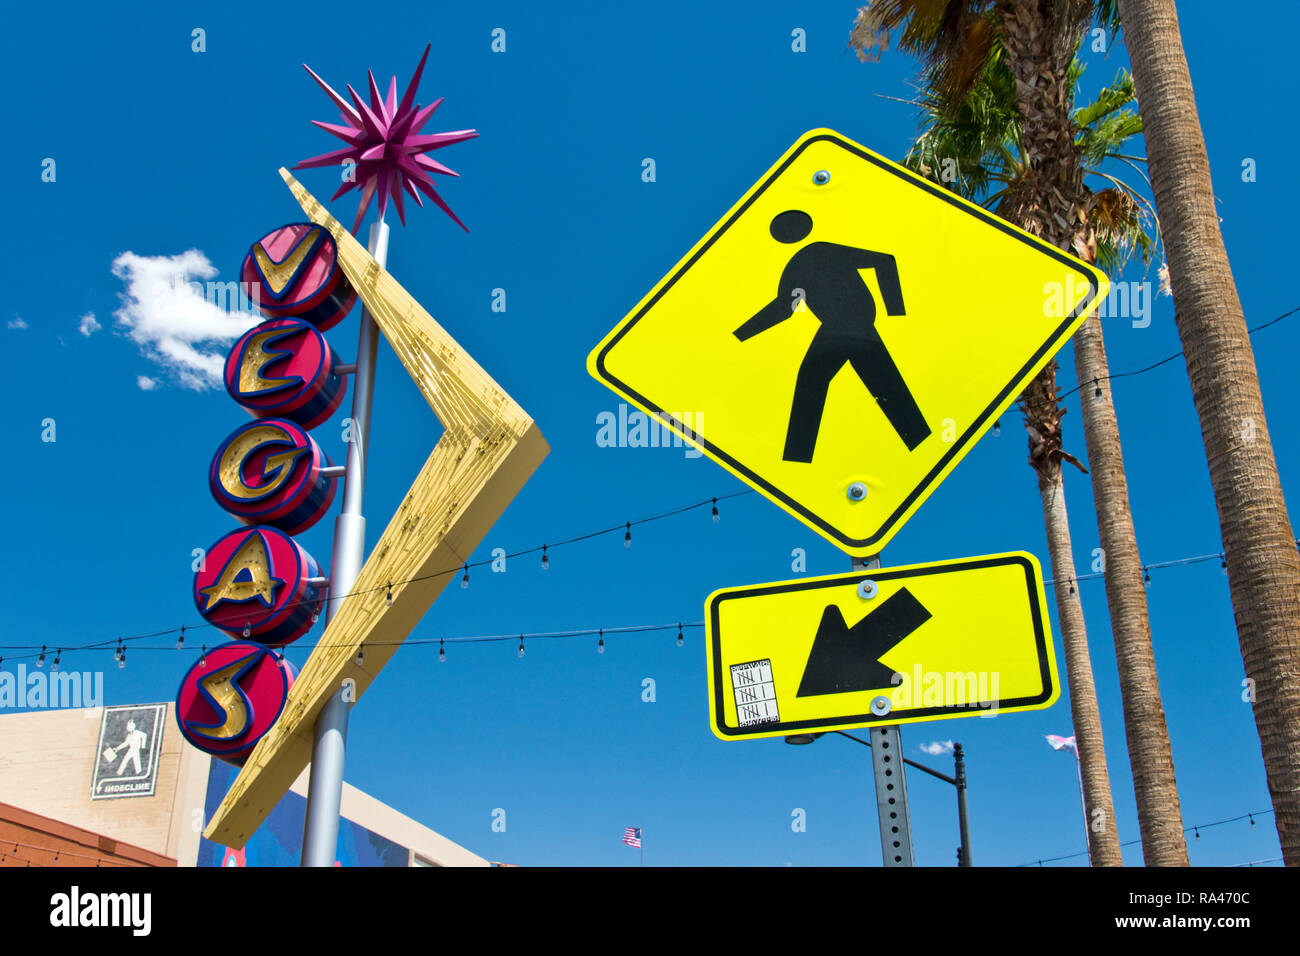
126	760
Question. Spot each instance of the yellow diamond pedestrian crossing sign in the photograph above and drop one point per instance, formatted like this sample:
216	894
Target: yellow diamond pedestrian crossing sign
875	647
845	334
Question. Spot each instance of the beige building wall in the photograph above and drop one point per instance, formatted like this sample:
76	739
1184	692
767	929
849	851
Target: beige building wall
47	759
431	849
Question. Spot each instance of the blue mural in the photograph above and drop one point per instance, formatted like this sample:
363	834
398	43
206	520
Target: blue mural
278	841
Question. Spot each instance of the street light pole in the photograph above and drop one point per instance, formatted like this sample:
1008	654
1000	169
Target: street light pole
959	781
963	821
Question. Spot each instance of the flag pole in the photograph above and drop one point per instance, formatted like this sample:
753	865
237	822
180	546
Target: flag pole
1083	804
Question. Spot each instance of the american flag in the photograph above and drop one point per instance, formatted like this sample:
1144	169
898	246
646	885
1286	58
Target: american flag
632	836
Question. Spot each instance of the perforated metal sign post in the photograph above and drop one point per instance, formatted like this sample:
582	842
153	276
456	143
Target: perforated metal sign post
888	772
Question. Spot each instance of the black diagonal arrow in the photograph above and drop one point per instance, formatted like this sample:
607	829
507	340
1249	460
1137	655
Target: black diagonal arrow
845	659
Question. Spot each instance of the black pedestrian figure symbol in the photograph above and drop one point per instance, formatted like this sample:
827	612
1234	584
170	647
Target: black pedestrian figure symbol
824	276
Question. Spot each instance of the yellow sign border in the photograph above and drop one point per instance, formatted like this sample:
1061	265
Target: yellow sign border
862	547
1042	640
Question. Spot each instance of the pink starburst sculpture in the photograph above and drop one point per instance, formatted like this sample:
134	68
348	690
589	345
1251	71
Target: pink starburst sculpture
383	140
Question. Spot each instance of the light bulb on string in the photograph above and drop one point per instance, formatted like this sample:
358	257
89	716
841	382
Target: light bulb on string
315	613
390	594
600	648
40	661
121	660
361	654
627	538
680	639
1223	563
442	652
1096	388
180	641
1252	820
57	655
521	645
716	517
203	656
997	428
464	581
248	627
546	561
1146	577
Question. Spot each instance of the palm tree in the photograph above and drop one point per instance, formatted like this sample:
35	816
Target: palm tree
977	152
1040	38
1031	44
1258	539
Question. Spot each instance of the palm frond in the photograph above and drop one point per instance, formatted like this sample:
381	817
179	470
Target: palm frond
952	38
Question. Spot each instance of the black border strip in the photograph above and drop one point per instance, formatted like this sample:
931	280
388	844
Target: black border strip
878	574
930	479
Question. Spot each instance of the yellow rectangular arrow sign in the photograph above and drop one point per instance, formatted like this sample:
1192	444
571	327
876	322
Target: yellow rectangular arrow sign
960	638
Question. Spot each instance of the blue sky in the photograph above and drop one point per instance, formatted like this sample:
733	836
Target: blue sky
160	150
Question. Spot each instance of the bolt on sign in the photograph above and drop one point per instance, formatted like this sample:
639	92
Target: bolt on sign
845	334
959	638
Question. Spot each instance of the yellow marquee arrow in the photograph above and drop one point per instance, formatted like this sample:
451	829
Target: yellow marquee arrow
488	450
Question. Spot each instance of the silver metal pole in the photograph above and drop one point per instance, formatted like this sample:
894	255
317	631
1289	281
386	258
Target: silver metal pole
1083	804
891	796
891	785
963	819
325	790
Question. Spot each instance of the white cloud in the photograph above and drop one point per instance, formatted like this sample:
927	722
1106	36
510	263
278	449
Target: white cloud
17	322
166	312
936	747
146	383
87	326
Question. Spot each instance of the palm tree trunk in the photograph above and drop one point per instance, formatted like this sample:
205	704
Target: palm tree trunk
1159	812
1044	425
1039	44
1258	540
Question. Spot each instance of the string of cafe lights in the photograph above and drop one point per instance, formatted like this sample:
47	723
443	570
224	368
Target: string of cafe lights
1194	830
598	632
7	855
1096	382
119	645
626	527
